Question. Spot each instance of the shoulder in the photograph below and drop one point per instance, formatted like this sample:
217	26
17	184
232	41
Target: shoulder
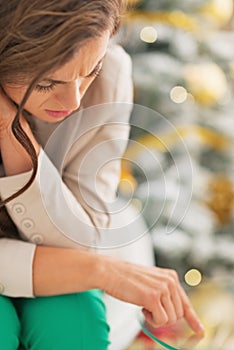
116	61
115	81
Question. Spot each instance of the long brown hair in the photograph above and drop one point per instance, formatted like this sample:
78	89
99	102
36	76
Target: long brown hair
36	38
39	36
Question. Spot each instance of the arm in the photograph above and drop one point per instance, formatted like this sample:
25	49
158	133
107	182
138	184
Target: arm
59	270
158	291
62	271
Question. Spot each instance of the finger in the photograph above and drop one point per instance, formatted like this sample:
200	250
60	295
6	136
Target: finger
170	298
174	286
190	315
193	320
149	317
178	305
175	296
153	320
169	309
158	314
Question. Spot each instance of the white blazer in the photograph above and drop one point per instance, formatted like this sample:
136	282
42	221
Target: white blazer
78	173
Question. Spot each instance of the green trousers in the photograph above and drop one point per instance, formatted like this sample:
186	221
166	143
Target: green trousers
64	322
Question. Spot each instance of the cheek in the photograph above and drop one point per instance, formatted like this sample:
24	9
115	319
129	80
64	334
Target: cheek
35	100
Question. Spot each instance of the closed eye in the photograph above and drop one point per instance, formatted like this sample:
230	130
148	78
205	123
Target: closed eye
48	85
97	70
46	88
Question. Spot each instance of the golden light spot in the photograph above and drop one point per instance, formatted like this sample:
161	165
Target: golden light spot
178	94
149	34
193	277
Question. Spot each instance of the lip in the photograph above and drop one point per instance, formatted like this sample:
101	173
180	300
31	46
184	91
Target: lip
57	114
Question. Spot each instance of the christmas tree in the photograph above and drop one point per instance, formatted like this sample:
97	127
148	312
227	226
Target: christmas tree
180	158
178	167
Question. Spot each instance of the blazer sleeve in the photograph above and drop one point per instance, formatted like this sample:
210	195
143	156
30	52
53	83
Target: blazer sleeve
65	208
16	261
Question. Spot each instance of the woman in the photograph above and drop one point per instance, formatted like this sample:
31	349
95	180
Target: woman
50	55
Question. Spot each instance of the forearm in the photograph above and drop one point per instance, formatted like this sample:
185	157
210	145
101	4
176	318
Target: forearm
15	158
158	291
63	271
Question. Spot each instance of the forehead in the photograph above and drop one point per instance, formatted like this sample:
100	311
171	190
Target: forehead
85	59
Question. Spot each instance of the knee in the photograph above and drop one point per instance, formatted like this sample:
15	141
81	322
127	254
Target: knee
10	325
93	321
74	321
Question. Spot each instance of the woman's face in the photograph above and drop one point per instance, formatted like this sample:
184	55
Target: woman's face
60	94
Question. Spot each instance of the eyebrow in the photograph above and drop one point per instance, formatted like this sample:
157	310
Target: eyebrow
65	82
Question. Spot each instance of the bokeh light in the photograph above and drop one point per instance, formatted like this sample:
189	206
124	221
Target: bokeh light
193	277
178	94
149	34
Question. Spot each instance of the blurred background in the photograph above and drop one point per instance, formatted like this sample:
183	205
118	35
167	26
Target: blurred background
183	71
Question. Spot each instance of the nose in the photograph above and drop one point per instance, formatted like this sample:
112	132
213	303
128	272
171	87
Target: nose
70	95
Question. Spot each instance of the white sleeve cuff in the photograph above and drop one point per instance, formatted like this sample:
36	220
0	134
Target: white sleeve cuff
16	272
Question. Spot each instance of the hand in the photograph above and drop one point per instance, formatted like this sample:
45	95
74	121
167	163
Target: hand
157	290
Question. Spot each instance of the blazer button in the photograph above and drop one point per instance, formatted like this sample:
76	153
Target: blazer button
2	288
18	209
27	224
37	238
